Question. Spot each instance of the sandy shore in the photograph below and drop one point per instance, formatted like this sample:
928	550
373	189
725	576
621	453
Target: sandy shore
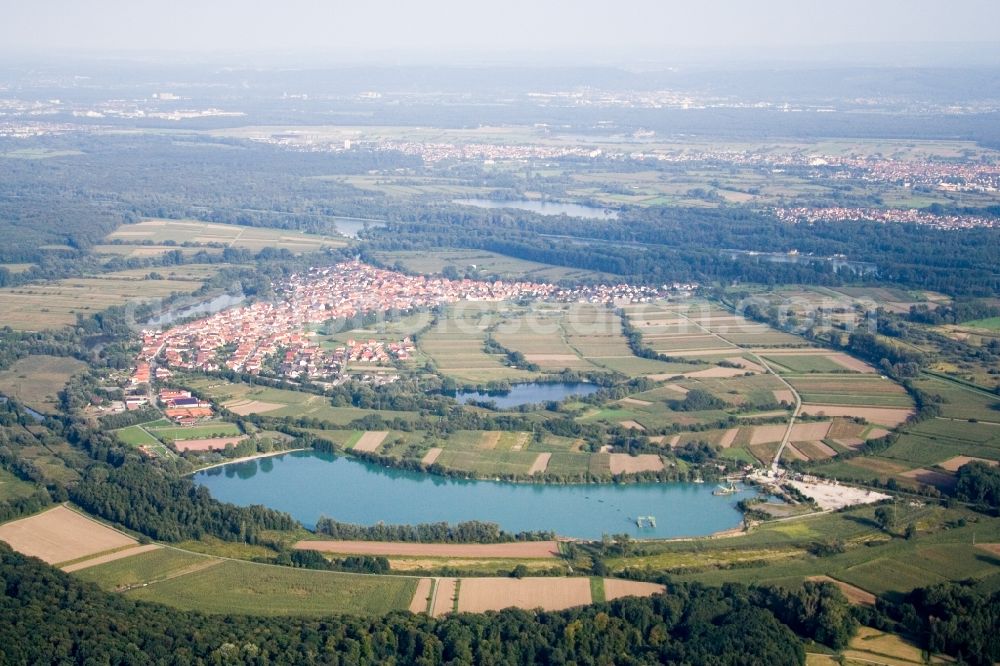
269	454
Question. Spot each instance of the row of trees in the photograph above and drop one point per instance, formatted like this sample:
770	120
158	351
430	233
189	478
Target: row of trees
473	531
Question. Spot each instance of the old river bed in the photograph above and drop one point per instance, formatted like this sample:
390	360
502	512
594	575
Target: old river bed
311	484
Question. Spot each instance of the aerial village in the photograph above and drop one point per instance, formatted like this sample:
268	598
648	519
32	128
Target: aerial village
273	337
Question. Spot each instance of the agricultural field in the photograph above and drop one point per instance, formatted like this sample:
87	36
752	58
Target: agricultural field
520	549
485	454
576	336
960	401
231	586
485	263
850	389
455	345
144	251
14	269
36	380
159	231
990	324
62	536
203	430
942	550
137	436
56	303
244	399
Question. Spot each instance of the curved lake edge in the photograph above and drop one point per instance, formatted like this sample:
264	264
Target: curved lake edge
721	516
442	472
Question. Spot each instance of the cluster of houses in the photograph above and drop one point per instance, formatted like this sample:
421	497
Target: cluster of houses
275	337
885	215
244	339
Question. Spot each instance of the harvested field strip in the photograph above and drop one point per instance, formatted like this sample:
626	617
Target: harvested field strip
815	450
698	352
623	463
431	456
147	567
370	441
728	438
483	594
716	373
422	597
110	557
489	440
540	464
930	477
793	453
246	407
511	550
443	601
209	444
616	588
953	464
882	415
61	535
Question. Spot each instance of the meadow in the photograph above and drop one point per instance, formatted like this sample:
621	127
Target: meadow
159	231
231	586
56	303
484	262
201	431
37	380
245	399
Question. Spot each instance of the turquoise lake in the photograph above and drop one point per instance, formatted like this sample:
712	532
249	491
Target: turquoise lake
309	484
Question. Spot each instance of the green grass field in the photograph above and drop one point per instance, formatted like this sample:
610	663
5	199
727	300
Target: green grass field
37	380
229	235
12	487
136	436
144	568
961	402
456	346
243	587
56	303
991	324
201	431
280	402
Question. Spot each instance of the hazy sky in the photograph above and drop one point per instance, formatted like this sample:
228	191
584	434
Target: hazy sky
590	27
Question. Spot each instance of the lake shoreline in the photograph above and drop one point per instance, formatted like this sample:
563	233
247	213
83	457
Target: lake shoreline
256	456
313	484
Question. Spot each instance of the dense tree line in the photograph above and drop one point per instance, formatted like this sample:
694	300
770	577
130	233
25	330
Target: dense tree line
473	531
147	500
950	618
979	483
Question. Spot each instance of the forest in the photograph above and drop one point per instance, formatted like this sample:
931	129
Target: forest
690	623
